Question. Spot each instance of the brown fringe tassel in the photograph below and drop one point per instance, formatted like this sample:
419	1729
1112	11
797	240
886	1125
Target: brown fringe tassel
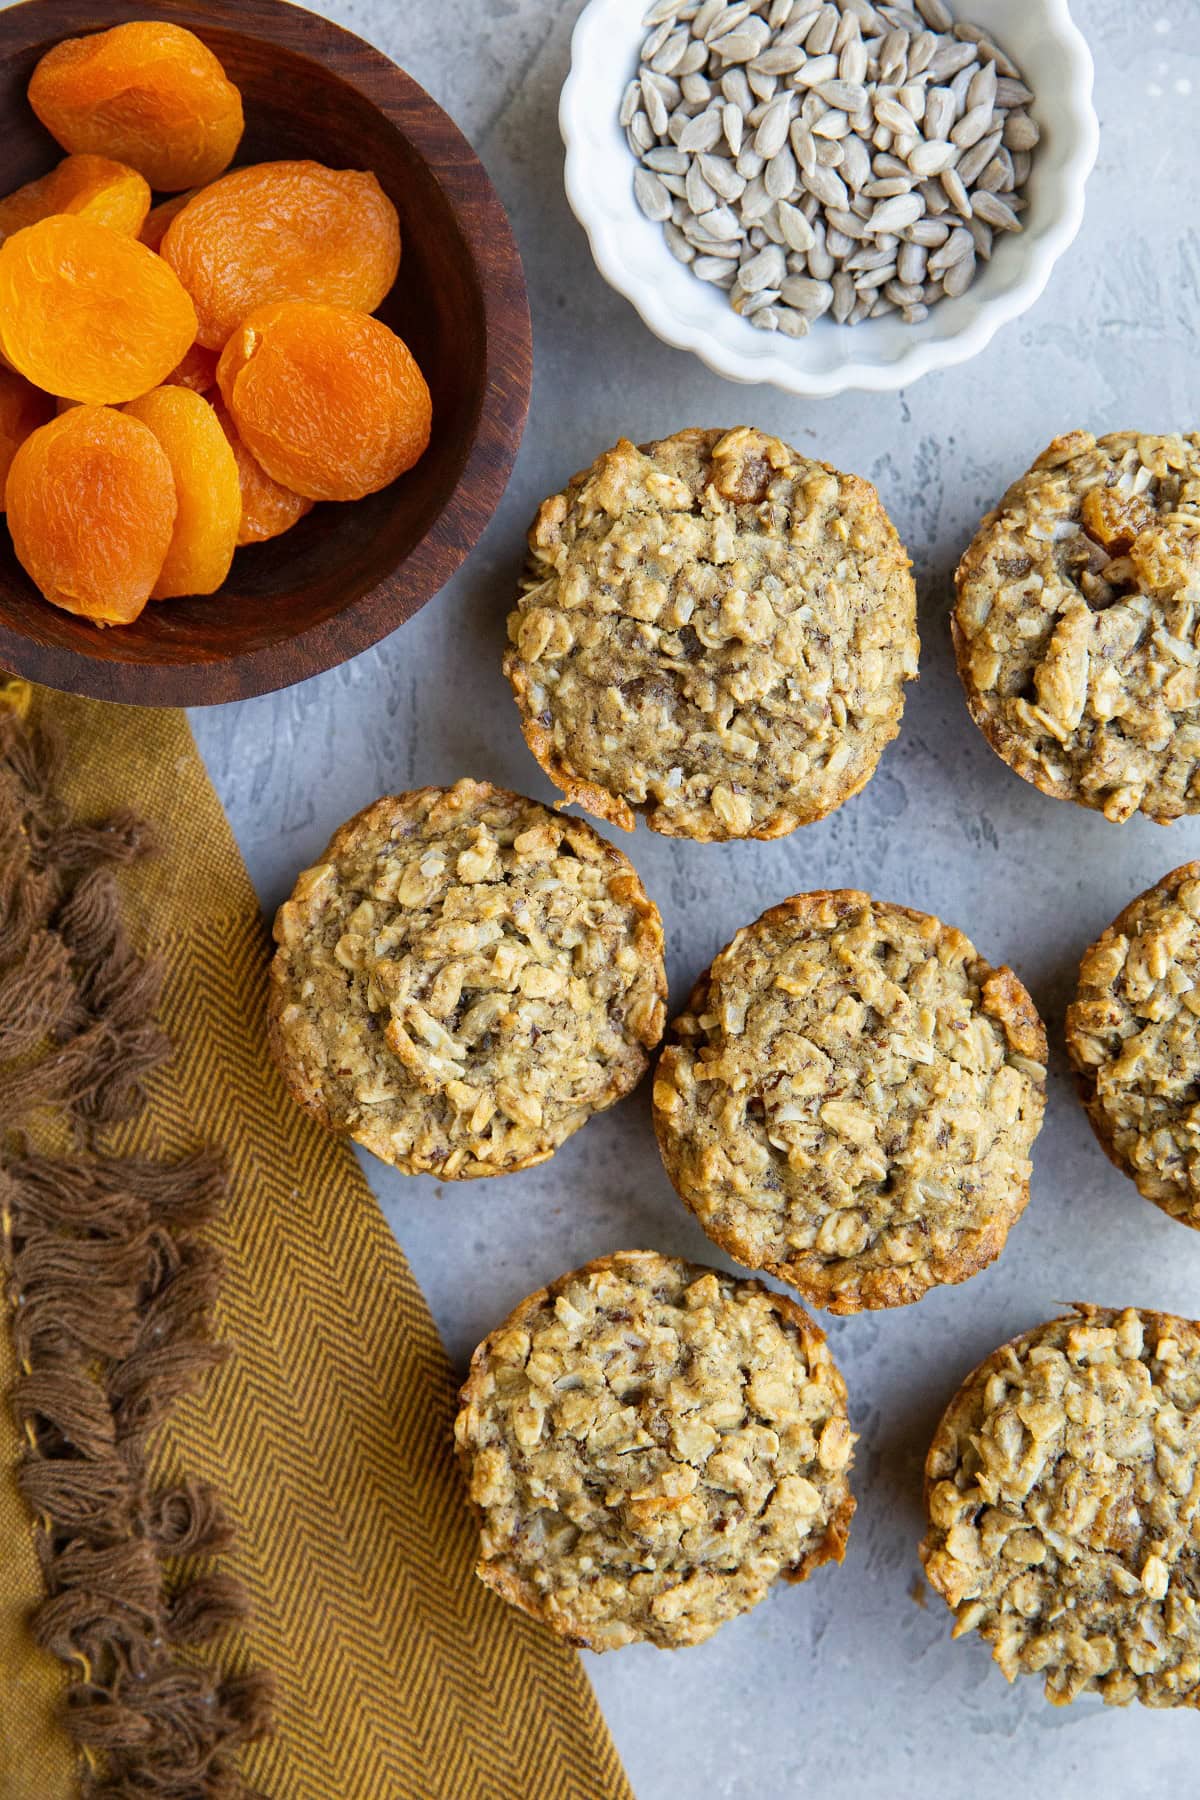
110	1296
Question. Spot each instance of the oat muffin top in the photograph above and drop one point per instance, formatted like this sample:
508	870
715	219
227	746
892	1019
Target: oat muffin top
1077	620
1133	1033
1061	1491
715	632
463	979
850	1099
649	1445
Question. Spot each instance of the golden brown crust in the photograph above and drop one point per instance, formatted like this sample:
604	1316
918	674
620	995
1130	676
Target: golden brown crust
715	632
1074	619
596	1541
1061	1489
1133	1036
463	979
862	1162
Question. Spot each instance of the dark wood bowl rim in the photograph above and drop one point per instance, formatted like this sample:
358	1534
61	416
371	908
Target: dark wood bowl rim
485	229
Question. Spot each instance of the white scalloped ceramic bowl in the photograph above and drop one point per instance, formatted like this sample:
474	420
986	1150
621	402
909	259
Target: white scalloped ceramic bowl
880	354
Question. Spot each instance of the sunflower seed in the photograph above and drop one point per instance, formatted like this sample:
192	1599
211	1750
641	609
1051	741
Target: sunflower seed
651	195
983	237
812	298
766	320
772	133
972	126
796	230
920	52
959	277
824	30
780	175
975	160
707	17
958	245
955	192
713	268
936	14
996	212
1012	93
663	12
855	165
930	234
948	59
792	323
829	129
677	244
766	270
895	214
702	132
780	59
820	264
696	90
665	159
726	18
1020	131
940	112
641	133
931	156
827	185
997	178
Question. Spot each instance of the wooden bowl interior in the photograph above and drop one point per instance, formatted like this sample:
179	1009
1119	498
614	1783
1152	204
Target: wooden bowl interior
297	107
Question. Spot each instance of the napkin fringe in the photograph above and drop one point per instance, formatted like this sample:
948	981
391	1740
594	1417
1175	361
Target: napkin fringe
111	1301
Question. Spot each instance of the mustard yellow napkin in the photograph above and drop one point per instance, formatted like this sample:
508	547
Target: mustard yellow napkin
328	1430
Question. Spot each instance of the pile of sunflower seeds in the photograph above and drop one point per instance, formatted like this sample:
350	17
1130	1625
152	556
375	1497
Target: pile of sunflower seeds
842	157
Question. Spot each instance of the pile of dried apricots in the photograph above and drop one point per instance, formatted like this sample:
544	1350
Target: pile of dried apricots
179	380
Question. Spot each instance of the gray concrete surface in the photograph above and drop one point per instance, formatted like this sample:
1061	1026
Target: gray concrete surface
846	1686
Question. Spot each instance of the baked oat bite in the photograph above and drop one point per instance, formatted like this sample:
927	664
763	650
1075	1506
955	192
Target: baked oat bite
464	979
715	632
1133	1035
1076	624
850	1098
1061	1491
648	1446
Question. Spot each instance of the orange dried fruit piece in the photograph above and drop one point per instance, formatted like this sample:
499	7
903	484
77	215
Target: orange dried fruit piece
327	399
91	507
110	193
154	228
197	370
89	313
283	231
208	492
23	408
149	94
268	510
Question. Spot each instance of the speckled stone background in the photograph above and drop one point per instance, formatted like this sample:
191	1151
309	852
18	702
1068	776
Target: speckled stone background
849	1685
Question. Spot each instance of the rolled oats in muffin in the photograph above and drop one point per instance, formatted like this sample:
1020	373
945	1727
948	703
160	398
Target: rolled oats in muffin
1061	1492
648	1446
1133	1033
463	979
1078	620
850	1098
714	631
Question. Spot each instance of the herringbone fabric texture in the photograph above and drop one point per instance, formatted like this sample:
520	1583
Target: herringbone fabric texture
399	1676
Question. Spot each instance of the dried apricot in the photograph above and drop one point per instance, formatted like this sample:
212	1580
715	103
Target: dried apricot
91	507
327	399
197	370
150	94
111	193
154	230
283	231
268	510
207	490
89	313
22	409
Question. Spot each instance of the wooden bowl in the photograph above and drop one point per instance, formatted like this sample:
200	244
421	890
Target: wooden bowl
346	575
